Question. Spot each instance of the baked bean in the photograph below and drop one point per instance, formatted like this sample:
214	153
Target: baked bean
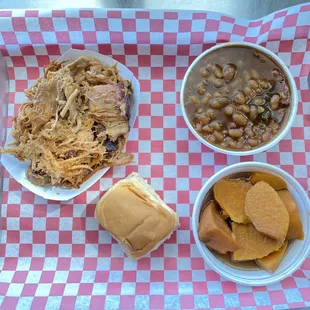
200	110
253	112
205	82
198	127
240	97
252	142
241	139
218	136
229	72
275	102
244	108
240	145
284	93
204	72
224	132
208	129
218	83
232	144
246	75
217	95
218	103
217	71
226	90
274	131
201	91
259	90
206	98
194	100
229	110
277	75
259	101
249	92
216	125
263	84
231	125
239	118
211	138
235	133
211	114
266	136
204	119
274	127
260	109
253	84
249	132
278	116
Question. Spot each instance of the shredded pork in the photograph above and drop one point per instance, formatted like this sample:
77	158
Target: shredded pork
74	123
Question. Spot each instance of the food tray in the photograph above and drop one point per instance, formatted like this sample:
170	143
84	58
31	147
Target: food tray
54	255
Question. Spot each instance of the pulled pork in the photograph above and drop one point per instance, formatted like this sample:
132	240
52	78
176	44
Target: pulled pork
74	123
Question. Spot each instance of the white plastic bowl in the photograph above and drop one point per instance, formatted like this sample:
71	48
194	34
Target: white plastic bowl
292	112
298	249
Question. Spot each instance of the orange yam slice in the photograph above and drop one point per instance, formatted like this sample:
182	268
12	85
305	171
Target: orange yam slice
252	244
273	260
295	230
274	181
214	231
267	211
230	195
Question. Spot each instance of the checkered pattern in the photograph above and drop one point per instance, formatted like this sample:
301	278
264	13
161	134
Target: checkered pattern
54	255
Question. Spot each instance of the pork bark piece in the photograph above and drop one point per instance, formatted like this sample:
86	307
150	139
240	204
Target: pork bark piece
109	104
214	231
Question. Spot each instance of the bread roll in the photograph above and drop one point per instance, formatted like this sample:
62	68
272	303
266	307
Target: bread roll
136	216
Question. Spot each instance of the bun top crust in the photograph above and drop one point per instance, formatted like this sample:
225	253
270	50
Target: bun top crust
136	216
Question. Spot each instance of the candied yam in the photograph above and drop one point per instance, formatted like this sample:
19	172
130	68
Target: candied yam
273	260
274	181
266	211
295	230
230	195
252	244
214	231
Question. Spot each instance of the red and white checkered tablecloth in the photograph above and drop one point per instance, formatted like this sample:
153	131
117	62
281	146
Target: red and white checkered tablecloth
54	255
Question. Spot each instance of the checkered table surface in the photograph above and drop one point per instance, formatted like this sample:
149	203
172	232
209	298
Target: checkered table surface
54	255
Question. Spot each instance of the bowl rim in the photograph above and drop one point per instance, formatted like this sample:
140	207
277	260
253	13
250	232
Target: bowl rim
283	130
211	260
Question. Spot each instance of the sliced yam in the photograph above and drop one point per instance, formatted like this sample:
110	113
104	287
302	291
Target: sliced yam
267	211
274	181
215	232
230	195
252	244
295	230
273	260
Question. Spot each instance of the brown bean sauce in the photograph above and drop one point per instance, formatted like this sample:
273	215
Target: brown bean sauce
237	98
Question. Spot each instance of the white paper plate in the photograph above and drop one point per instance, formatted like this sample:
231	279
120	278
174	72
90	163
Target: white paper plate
18	169
298	249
